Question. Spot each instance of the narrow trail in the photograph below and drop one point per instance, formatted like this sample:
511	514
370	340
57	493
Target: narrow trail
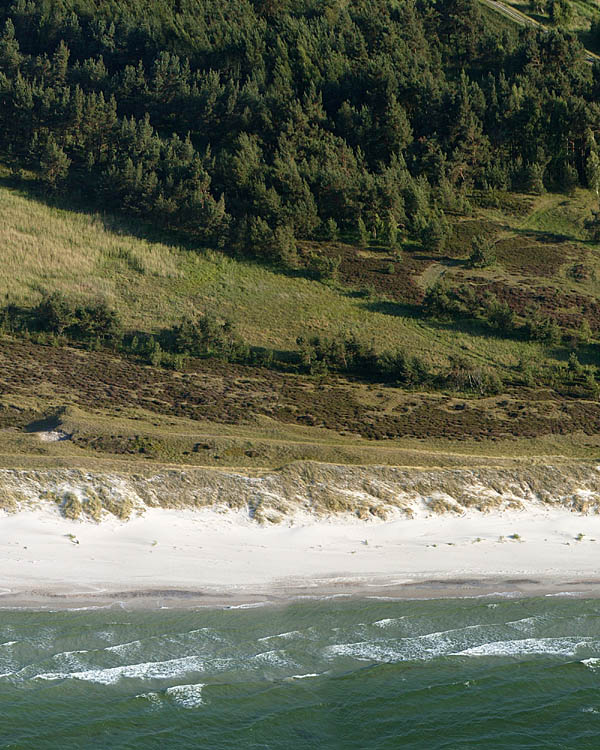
524	20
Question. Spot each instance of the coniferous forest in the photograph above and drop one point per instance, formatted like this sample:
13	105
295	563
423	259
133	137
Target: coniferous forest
250	124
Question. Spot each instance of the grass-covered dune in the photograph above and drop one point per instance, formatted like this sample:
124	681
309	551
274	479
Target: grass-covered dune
311	488
118	410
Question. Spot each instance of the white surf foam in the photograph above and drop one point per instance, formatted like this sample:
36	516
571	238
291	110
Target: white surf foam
525	646
288	634
592	663
70	660
382	651
151	697
250	605
120	648
272	658
567	593
386	622
186	696
146	670
526	623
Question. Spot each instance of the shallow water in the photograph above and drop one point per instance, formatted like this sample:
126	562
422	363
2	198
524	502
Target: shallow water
499	672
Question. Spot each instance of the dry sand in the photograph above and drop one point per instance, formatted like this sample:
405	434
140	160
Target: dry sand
186	558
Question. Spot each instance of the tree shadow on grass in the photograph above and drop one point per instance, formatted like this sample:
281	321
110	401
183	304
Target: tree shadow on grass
442	260
137	227
415	312
397	309
79	203
543	236
587	354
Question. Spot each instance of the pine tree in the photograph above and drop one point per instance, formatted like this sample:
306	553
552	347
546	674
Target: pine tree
10	55
391	231
592	164
54	163
363	234
534	179
560	12
482	252
331	230
60	64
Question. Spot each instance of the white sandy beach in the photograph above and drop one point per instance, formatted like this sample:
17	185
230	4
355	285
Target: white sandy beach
225	554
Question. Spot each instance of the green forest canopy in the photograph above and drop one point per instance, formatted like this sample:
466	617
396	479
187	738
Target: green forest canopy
250	124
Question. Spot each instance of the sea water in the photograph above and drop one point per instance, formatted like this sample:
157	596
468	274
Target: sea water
494	672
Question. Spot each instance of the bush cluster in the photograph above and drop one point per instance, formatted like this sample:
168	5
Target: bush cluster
350	356
59	319
445	303
571	378
91	321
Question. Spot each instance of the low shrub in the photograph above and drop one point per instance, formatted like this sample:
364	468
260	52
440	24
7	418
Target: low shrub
71	507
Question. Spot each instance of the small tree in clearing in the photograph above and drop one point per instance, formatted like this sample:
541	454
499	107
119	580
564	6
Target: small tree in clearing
482	252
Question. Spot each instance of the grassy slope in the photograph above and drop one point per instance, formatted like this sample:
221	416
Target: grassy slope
153	283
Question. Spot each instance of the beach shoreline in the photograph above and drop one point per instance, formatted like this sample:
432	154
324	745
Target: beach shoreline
176	599
195	558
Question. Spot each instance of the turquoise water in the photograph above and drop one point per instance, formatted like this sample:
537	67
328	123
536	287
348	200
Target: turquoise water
456	673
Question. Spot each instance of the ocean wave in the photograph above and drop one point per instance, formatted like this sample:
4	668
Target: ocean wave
526	623
381	651
214	634
320	597
153	698
567	593
145	670
177	639
592	663
120	648
456	642
250	605
186	696
305	676
72	653
70	659
525	646
496	594
387	621
425	646
288	634
90	608
272	658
